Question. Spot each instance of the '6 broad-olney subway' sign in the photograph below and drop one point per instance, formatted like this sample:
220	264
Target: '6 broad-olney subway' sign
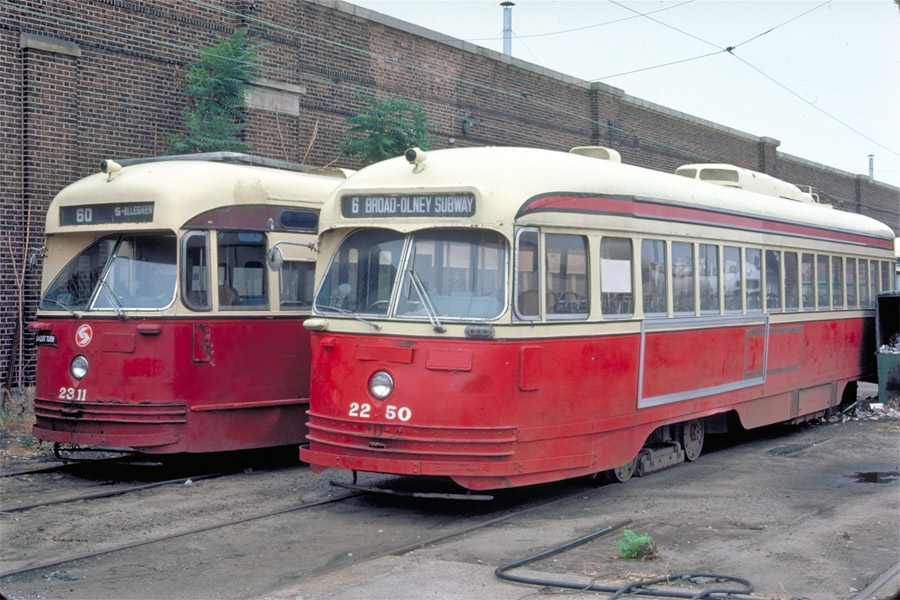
407	205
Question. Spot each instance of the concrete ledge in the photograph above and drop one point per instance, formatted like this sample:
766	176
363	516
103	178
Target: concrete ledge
48	44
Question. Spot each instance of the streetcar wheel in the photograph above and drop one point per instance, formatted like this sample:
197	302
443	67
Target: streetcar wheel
623	473
692	434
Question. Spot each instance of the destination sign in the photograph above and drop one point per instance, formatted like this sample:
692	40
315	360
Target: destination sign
100	214
408	205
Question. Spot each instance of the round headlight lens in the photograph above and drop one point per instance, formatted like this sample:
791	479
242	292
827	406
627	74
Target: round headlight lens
381	384
79	367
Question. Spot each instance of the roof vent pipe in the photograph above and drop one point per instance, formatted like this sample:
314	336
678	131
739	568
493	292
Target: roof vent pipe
507	26
871	168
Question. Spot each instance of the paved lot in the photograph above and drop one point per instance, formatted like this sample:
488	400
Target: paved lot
807	512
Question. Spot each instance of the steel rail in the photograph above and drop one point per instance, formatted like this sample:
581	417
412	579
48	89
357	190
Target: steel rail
172	536
109	493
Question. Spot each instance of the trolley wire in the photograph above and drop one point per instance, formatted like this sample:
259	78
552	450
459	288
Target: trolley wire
419	68
730	50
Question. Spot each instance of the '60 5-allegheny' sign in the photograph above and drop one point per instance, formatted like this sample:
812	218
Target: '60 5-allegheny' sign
408	205
97	214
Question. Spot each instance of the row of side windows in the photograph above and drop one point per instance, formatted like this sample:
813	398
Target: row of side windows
682	278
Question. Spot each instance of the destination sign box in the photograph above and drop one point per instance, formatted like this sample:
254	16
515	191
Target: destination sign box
100	214
408	205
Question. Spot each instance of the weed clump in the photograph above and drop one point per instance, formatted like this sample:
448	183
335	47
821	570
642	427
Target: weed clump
633	545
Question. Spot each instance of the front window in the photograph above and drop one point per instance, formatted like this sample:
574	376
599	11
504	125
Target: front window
436	273
117	273
362	273
462	273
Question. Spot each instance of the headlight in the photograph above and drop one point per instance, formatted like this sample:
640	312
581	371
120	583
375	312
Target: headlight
381	384
79	367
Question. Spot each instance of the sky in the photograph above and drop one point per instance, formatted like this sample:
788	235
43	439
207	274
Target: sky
820	76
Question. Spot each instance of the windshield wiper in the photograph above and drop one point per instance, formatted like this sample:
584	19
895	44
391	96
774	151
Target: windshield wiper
117	307
349	313
426	301
58	303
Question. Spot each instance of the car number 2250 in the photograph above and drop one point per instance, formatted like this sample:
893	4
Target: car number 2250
391	412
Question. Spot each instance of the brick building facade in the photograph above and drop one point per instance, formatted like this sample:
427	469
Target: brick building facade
82	80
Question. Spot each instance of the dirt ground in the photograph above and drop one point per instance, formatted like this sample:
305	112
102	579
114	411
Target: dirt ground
802	512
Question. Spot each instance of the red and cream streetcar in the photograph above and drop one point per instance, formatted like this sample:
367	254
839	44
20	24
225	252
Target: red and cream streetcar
159	328
507	316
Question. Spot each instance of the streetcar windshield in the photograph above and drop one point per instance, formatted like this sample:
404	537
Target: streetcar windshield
431	274
117	273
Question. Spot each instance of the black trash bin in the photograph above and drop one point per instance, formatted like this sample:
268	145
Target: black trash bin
887	339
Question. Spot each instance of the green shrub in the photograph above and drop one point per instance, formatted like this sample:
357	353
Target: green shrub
635	546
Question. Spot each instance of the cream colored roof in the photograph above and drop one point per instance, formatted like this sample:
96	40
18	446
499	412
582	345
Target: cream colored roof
503	179
182	189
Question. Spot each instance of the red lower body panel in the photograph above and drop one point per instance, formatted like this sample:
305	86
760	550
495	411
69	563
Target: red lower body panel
506	413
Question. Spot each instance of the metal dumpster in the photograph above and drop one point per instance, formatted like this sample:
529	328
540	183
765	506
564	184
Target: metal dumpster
887	336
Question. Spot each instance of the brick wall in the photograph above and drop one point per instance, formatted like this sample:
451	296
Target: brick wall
82	80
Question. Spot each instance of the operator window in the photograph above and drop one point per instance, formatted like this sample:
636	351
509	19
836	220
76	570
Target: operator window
296	285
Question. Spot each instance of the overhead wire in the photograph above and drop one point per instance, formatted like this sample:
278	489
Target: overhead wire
363	89
730	50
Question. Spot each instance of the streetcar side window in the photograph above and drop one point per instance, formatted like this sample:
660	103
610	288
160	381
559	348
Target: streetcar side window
616	290
773	281
731	259
863	283
242	282
528	284
885	276
653	277
822	284
791	282
296	285
752	264
837	282
567	275
851	283
195	271
873	280
807	274
683	277
708	269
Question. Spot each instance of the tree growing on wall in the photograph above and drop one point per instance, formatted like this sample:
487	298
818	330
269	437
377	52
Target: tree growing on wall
386	128
216	89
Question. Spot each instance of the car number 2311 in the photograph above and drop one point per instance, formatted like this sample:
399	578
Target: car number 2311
391	412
